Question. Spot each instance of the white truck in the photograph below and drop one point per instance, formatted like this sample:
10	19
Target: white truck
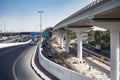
98	47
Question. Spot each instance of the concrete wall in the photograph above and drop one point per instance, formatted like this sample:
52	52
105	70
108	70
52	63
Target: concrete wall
59	71
4	45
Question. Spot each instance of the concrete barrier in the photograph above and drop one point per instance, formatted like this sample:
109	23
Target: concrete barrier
60	72
3	45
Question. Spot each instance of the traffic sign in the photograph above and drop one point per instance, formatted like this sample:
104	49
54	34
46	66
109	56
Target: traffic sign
34	34
45	33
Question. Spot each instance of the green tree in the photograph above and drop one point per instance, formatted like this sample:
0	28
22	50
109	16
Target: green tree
100	37
72	36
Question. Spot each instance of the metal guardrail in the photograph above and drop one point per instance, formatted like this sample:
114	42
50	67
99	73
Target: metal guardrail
91	5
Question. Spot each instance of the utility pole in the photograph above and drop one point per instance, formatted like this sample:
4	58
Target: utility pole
40	12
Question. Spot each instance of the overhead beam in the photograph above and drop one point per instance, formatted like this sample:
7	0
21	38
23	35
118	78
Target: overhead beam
79	26
106	19
61	28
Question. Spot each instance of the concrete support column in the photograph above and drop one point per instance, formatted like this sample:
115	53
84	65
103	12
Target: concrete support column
53	35
0	36
67	42
79	46
114	55
119	49
61	40
58	37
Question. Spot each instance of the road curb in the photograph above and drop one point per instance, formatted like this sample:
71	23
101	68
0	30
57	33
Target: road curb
37	67
34	67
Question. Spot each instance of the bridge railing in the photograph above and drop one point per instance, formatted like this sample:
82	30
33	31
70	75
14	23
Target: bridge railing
91	4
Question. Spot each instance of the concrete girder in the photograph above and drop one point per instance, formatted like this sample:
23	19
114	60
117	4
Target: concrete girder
115	26
79	29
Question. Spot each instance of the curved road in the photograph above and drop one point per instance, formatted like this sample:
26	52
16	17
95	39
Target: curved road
22	67
8	57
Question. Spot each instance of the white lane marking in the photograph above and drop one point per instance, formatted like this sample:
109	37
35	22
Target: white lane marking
8	51
13	69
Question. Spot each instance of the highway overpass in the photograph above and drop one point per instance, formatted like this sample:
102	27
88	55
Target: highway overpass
101	13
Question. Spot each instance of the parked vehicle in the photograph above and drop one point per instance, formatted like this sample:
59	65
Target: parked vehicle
50	55
97	47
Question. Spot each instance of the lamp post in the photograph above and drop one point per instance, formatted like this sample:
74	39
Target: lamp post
4	26
40	12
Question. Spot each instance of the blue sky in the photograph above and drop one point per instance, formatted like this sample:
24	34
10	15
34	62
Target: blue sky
22	15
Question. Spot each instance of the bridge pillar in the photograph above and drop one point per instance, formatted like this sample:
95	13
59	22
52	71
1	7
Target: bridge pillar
67	42
79	31
53	35
0	36
79	45
61	39
115	55
58	37
115	44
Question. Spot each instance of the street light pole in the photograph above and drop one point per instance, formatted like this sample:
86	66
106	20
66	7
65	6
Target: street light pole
40	12
4	26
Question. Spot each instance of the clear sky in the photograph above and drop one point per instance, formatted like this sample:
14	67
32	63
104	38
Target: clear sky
22	15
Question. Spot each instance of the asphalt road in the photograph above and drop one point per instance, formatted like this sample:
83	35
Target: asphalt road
97	51
7	58
8	41
22	67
